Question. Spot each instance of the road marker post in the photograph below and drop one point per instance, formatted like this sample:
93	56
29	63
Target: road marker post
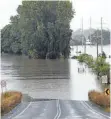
107	91
3	85
104	79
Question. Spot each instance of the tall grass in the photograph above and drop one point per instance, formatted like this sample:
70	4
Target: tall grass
99	98
9	100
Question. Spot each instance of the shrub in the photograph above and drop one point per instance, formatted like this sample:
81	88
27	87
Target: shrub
89	60
99	98
103	55
82	57
9	100
74	57
101	66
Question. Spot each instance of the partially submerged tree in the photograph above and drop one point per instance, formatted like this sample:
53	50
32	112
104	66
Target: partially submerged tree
11	37
44	29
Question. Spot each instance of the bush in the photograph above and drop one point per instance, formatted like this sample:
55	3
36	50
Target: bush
74	57
89	61
101	66
9	100
103	55
82	57
99	98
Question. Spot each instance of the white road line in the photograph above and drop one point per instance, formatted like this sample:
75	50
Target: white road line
59	108
57	102
95	110
23	110
92	110
78	116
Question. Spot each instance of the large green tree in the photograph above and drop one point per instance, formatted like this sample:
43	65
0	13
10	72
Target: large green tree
41	29
11	37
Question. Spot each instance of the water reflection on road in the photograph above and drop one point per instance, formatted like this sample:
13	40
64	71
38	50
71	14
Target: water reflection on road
48	78
82	82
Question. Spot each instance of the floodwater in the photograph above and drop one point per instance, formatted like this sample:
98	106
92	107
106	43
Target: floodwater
92	50
49	79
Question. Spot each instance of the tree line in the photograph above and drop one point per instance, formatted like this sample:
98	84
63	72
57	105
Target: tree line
105	37
77	38
41	29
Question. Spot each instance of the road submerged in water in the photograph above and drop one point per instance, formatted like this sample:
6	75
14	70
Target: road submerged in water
50	79
57	79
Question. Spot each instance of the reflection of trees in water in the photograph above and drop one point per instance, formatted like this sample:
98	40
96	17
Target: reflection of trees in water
81	70
43	69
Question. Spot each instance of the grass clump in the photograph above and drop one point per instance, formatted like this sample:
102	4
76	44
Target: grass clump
82	57
101	66
9	100
100	98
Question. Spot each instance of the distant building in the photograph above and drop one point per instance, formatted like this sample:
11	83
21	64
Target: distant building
88	42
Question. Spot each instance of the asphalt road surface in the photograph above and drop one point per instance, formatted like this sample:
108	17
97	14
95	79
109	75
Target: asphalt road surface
57	109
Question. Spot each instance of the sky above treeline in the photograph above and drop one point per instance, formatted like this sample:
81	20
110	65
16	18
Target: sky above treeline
84	8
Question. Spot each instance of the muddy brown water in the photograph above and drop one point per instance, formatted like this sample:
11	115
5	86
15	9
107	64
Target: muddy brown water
48	79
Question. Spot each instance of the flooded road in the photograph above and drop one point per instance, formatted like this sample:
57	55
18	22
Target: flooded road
54	79
92	50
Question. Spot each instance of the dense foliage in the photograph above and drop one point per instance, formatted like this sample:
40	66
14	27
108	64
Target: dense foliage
41	29
99	65
10	35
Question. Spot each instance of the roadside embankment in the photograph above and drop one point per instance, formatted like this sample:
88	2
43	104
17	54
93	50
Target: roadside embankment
100	99
9	100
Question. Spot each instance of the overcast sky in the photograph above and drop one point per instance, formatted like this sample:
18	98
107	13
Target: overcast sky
84	8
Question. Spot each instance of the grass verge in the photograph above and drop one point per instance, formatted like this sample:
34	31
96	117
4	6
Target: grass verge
9	100
101	99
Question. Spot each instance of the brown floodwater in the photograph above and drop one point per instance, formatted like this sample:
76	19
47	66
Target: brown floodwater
49	79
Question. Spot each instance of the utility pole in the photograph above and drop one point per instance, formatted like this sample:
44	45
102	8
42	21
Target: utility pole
77	50
97	37
82	31
101	35
84	42
83	37
97	43
90	30
0	41
110	35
